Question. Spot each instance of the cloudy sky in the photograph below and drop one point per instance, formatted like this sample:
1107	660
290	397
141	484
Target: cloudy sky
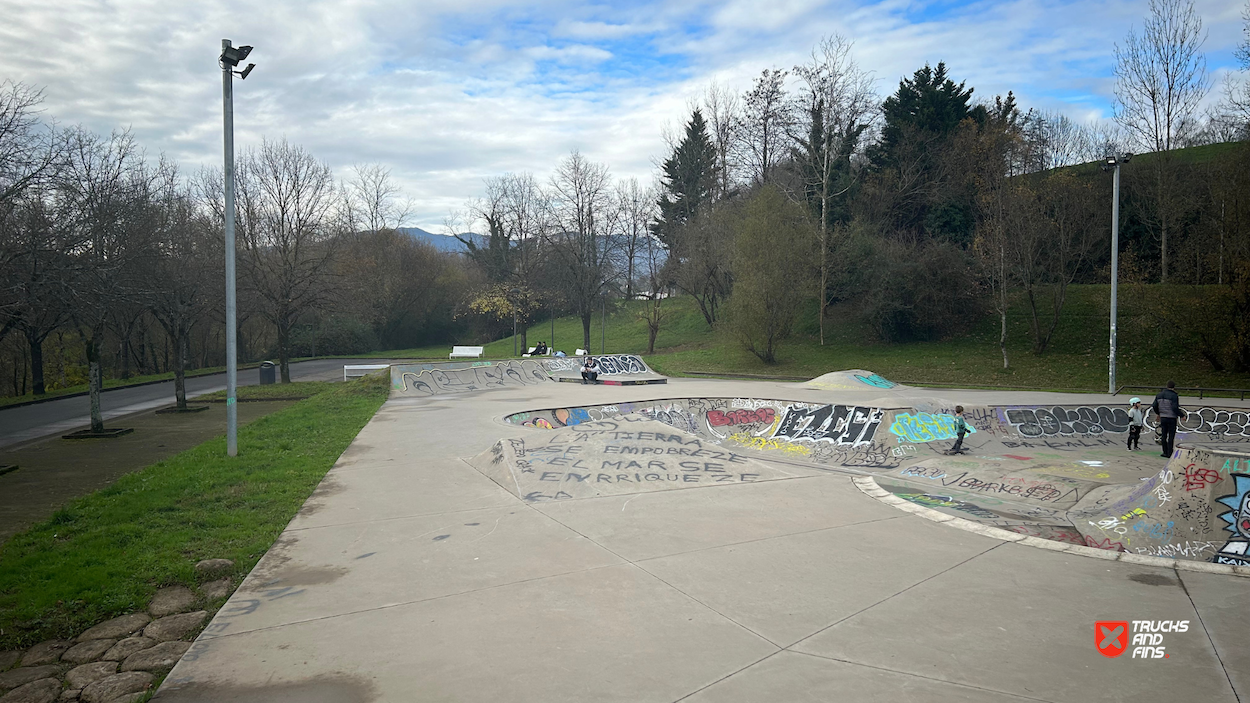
446	93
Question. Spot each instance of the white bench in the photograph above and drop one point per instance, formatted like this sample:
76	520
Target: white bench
466	352
356	371
530	352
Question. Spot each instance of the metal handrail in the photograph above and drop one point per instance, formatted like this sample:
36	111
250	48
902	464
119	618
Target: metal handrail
1201	391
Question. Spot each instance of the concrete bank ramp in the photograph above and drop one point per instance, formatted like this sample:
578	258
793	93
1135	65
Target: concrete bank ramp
623	455
451	377
439	378
1197	507
614	370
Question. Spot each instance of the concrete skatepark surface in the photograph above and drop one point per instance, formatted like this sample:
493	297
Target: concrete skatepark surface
525	540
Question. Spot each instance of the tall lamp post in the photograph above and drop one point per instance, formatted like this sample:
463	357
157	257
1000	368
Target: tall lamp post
229	59
514	293
1113	164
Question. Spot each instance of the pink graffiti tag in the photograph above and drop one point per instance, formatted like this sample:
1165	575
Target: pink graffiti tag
719	418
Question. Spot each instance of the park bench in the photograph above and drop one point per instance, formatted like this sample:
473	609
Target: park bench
358	370
466	352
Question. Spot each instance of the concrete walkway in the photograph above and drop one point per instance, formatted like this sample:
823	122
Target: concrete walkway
411	576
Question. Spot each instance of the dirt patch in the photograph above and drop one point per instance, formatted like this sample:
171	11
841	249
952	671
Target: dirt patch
55	471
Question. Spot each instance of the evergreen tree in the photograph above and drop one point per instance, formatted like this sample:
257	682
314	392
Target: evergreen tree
928	105
688	181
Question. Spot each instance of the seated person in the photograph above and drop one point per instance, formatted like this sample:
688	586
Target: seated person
541	349
590	370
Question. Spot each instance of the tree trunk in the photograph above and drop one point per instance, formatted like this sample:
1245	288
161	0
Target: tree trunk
180	370
93	370
1163	259
36	364
1002	305
284	341
586	316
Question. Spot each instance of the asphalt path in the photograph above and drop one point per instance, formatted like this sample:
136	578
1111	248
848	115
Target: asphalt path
22	424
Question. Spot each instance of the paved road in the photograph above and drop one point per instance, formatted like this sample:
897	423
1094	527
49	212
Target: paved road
57	416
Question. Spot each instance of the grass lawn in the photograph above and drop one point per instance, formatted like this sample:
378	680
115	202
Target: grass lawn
1077	359
107	553
272	391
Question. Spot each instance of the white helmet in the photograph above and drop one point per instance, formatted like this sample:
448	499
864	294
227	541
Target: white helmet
1134	400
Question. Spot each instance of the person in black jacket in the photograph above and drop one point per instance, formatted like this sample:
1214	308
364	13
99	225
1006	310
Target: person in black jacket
1167	407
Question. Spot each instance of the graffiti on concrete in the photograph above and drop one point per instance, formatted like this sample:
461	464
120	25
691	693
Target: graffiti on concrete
925	427
479	378
1236	551
1219	423
609	365
718	418
837	424
876	380
1050	422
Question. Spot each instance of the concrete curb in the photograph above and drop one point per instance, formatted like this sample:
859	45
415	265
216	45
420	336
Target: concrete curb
868	486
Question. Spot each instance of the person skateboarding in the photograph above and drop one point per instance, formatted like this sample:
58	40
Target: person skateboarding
590	370
961	429
1167	407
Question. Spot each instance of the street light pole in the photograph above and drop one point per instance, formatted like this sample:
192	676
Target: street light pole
1113	163
1115	270
229	59
232	358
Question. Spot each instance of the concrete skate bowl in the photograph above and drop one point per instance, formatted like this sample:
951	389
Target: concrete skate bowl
1061	473
452	377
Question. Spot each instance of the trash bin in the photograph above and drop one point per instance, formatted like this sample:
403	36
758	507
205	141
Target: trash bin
268	374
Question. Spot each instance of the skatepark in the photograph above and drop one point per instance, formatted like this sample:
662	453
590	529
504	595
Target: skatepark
495	534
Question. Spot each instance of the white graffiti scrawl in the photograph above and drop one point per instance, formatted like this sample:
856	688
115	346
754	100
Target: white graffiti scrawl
837	424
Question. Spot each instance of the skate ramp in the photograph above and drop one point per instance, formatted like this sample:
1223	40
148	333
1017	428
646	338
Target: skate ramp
1198	507
623	455
445	378
614	370
852	380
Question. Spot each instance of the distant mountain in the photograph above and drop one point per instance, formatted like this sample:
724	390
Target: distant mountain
443	242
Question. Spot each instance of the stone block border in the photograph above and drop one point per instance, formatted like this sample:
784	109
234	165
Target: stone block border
868	486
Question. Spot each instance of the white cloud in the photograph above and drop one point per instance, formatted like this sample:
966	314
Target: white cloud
446	96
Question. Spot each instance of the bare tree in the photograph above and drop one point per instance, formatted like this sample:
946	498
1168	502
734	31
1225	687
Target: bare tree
724	121
582	218
1161	80
286	219
637	207
106	198
766	121
840	102
183	279
30	154
373	200
1056	140
1236	107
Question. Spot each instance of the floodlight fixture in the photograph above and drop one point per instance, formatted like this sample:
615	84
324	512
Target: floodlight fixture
243	74
232	55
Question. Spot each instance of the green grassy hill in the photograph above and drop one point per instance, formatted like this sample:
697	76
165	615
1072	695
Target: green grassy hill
1148	353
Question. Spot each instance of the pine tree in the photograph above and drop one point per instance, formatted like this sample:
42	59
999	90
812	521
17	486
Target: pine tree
688	181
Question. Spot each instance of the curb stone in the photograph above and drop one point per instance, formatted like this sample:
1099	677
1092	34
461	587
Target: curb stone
868	486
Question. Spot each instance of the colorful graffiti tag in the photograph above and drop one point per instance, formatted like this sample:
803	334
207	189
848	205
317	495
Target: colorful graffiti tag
1237	550
925	427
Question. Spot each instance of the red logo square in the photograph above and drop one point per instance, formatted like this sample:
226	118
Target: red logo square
1111	637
